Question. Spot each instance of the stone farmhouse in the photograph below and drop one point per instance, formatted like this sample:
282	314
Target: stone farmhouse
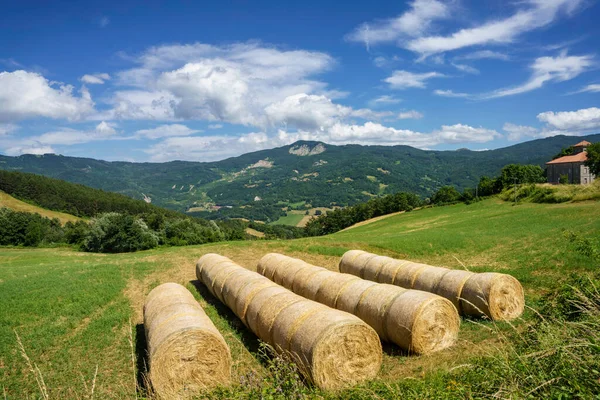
571	166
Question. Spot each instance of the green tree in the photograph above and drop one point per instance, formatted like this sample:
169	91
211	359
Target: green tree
593	158
446	194
566	151
119	233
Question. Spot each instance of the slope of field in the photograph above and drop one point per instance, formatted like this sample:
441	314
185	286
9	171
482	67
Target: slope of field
18	205
75	312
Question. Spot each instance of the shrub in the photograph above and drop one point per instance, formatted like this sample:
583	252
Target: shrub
446	195
184	232
118	233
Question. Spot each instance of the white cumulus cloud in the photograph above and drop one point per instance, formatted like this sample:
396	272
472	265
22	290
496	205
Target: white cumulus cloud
580	120
26	95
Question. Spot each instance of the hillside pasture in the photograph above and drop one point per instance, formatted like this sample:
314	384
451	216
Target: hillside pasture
8	201
77	313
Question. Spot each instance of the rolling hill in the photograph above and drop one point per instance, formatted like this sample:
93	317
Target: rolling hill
258	185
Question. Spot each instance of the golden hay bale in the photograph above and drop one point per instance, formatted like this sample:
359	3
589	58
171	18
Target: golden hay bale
451	286
332	286
333	349
310	287
236	282
349	297
187	353
340	349
266	295
420	322
497	296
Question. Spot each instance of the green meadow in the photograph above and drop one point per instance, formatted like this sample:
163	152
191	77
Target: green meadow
71	322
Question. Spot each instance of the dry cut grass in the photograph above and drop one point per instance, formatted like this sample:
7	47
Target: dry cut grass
8	201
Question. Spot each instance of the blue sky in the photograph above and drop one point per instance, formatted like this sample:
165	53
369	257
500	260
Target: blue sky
159	81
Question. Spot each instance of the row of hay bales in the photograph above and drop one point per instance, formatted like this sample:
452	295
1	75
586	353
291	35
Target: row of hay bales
494	295
333	349
417	321
328	323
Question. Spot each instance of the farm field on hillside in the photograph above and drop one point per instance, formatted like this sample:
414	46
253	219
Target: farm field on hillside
8	201
77	312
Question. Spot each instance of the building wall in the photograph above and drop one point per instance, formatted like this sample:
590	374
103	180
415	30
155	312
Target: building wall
572	170
586	176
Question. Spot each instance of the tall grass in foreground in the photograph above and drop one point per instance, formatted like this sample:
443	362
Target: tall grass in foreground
547	193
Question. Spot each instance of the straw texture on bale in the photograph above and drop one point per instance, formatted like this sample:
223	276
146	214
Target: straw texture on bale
333	349
497	296
186	351
416	321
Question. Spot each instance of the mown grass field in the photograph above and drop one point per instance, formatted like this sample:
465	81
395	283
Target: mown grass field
291	219
8	201
78	313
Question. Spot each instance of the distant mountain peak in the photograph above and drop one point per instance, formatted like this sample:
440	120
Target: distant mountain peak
307	149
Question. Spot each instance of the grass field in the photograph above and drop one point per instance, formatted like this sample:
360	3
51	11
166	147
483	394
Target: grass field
8	201
290	219
78	313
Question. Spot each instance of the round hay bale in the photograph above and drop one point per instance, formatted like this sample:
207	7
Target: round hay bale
287	279
422	322
498	296
302	276
289	320
355	264
373	306
389	269
405	276
332	348
339	349
269	312
219	278
187	354
264	266
347	260
331	287
247	293
285	269
265	296
235	283
427	279
310	288
371	274
350	295
451	286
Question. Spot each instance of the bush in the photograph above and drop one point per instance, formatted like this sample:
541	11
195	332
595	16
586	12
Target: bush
118	233
446	195
563	179
185	232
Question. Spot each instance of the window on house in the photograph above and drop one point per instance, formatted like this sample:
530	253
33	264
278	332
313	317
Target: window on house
584	180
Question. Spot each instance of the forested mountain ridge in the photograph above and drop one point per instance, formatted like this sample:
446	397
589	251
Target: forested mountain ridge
298	175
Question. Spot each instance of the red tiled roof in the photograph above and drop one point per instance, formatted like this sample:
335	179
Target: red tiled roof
583	143
579	157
